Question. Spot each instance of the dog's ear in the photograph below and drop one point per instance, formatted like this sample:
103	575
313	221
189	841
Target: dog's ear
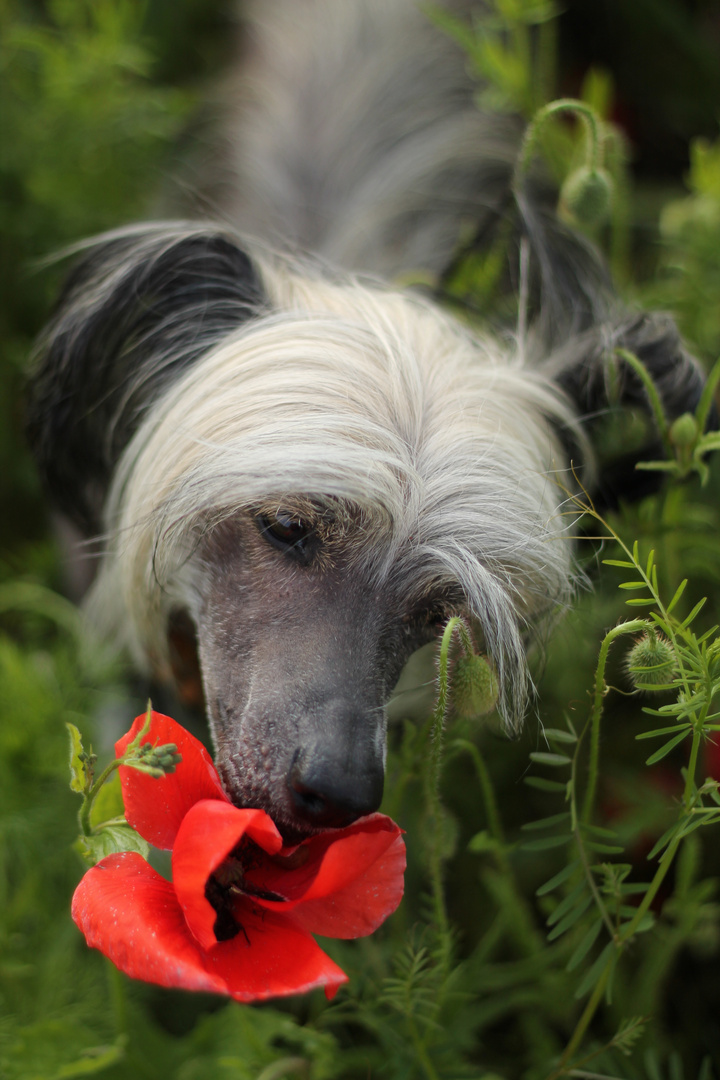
140	307
613	403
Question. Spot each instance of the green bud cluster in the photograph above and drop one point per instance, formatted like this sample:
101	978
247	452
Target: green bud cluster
474	686
156	761
651	661
586	195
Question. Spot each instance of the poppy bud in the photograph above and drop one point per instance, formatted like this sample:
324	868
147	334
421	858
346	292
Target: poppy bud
651	661
684	430
474	686
586	195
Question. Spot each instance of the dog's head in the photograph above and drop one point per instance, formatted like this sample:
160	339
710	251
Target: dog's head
300	479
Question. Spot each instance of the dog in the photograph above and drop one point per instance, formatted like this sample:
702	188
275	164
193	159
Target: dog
299	472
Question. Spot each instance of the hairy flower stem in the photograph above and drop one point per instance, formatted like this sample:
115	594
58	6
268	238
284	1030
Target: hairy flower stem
601	688
532	133
432	781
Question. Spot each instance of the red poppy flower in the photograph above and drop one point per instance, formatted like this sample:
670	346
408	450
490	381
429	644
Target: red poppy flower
239	914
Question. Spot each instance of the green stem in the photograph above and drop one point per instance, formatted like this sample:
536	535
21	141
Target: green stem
491	811
584	1021
532	133
89	799
631	627
654	398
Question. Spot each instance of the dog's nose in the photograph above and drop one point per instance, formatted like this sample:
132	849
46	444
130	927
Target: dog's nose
329	794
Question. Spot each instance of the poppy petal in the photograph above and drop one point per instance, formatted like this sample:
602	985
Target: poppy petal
127	911
271	957
349	884
155	807
207	835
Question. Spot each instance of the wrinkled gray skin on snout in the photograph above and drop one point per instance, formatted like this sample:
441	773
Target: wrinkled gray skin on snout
298	657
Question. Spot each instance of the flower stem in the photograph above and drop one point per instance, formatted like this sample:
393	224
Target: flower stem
532	133
631	627
89	798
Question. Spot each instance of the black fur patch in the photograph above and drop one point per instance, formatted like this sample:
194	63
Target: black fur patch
140	308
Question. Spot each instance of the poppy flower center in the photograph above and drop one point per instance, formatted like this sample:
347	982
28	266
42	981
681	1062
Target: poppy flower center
227	888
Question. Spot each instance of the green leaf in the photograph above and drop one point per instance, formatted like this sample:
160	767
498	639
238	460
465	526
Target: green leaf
594	973
554	760
569	921
604	849
678	593
650	559
542	784
546	844
662	731
558	735
547	822
637	602
633	585
110	840
559	878
666	748
585	946
108	803
78	757
689	618
664	840
619	562
568	903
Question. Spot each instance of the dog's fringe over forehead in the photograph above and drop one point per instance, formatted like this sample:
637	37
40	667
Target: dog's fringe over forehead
370	398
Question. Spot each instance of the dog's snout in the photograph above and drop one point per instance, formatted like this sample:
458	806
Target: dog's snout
328	793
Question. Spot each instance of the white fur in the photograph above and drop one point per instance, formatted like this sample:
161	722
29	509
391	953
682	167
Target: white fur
372	397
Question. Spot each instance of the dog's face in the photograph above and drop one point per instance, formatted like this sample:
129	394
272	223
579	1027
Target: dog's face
303	477
298	652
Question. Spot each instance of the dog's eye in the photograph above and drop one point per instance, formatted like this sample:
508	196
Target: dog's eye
286	533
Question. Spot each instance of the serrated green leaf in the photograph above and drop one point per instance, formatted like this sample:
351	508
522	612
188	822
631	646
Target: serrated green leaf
559	878
542	784
109	841
594	973
554	760
666	748
547	822
78	775
585	946
570	920
558	735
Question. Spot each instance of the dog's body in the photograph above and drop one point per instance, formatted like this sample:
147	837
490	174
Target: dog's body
309	472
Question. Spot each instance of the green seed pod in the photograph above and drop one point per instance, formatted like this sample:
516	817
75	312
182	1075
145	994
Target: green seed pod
651	661
474	686
586	195
684	431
